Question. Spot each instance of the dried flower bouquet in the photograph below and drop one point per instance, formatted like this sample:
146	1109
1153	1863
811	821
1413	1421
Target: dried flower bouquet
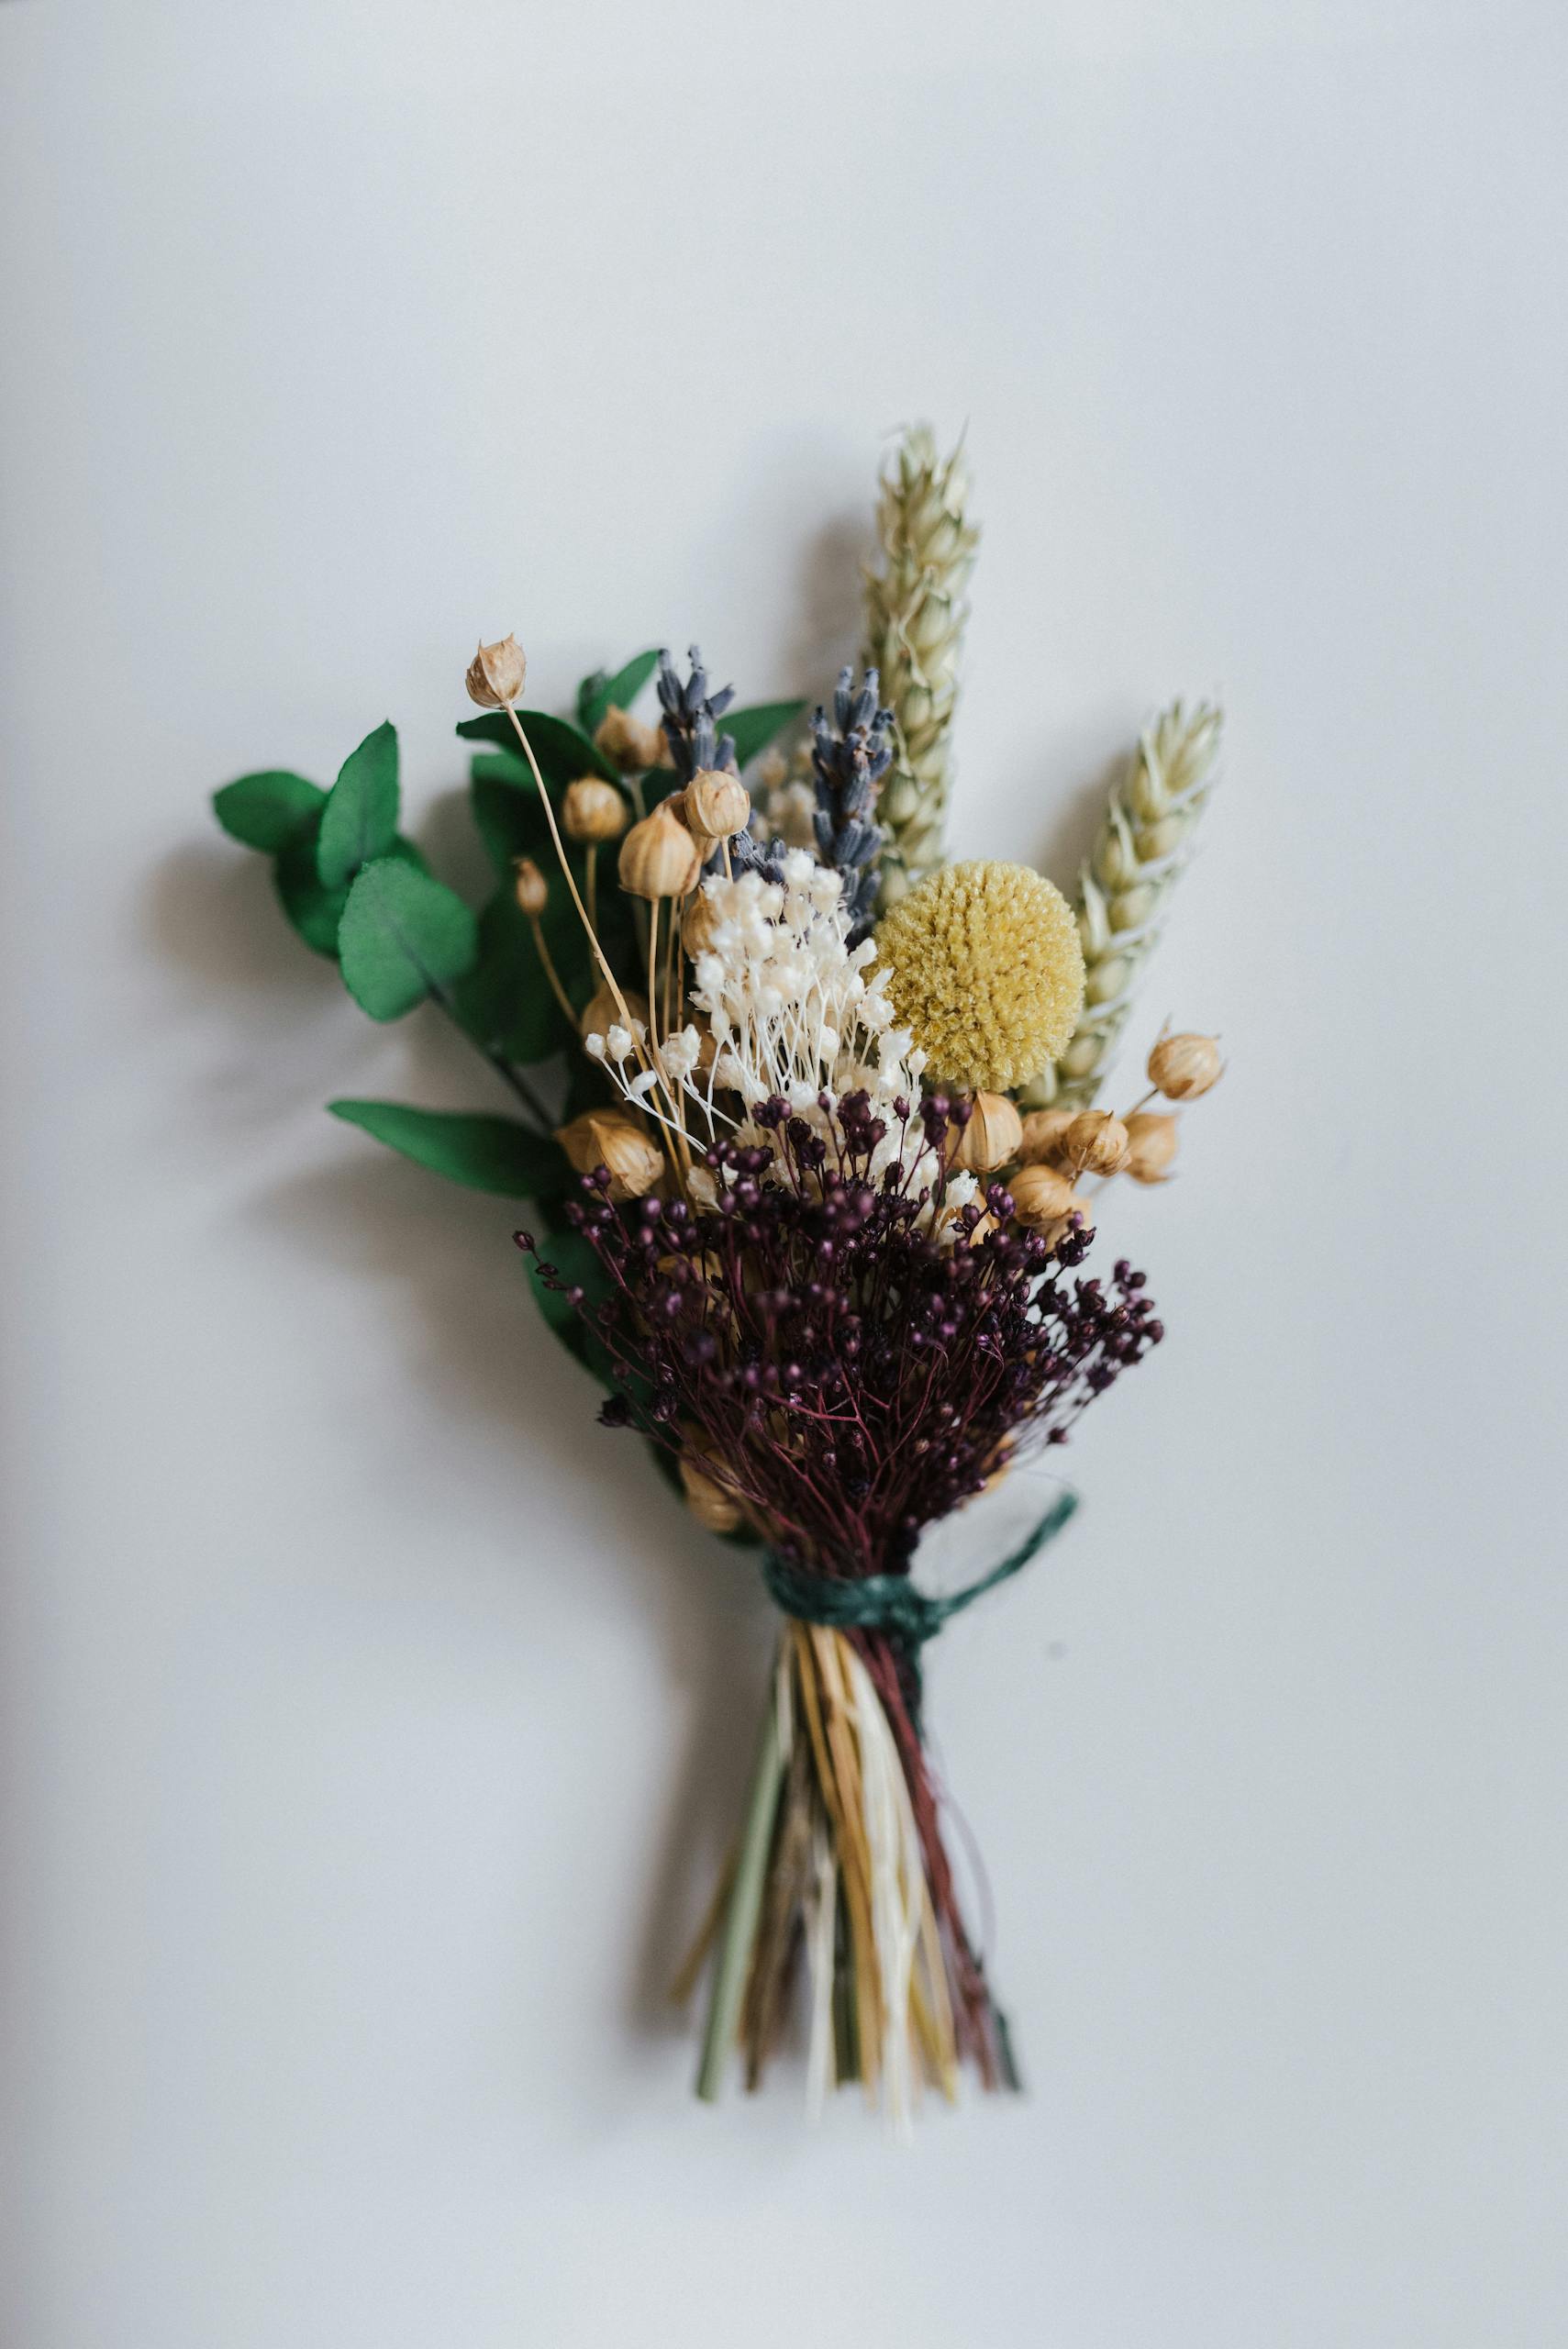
806	1117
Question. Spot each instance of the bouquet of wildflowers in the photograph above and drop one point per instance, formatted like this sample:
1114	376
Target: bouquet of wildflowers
805	1117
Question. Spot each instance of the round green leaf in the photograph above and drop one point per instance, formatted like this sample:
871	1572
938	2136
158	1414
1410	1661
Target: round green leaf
360	819
488	1153
402	936
266	810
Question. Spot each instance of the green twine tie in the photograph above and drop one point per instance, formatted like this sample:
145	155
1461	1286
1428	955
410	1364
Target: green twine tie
891	1603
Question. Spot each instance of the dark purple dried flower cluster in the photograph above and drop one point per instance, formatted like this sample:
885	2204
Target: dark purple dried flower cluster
847	1378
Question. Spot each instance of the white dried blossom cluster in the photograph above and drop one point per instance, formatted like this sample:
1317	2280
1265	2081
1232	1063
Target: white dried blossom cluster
793	1012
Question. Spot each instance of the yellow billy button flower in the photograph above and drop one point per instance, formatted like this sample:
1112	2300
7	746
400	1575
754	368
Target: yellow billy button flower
985	969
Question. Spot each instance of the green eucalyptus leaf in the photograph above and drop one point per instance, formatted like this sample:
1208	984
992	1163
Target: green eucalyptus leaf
563	750
755	728
601	693
588	694
401	936
315	912
266	810
360	819
486	1153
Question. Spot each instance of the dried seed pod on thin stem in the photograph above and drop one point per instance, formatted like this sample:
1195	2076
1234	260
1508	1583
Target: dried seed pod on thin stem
1181	1068
1095	1143
990	1137
1151	1145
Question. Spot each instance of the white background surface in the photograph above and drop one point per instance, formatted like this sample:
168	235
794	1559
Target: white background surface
370	1719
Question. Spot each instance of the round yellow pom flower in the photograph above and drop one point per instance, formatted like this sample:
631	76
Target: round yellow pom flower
986	967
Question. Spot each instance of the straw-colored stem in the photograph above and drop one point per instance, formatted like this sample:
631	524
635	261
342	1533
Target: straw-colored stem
599	955
546	963
745	1905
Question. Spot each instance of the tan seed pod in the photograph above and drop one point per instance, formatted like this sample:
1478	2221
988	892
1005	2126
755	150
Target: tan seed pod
1150	1146
699	923
659	858
708	1502
1043	1200
628	743
1042	1137
612	1138
594	809
992	1137
1095	1143
717	806
532	888
1181	1068
603	1012
496	673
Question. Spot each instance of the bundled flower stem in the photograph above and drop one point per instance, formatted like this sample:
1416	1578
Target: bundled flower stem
828	1323
787	1213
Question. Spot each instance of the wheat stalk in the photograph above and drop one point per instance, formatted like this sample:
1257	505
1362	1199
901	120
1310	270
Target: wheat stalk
915	613
1141	849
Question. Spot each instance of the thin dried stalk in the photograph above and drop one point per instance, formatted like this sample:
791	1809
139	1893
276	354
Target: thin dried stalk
916	612
1123	888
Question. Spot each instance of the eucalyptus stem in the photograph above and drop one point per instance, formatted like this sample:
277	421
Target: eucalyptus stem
745	1905
511	1077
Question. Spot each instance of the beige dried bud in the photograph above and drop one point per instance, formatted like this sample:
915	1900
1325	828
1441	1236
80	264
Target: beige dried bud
700	924
708	1502
1181	1068
628	743
612	1138
1043	1200
496	673
717	806
1095	1143
1150	1146
592	810
659	857
603	1012
532	888
1042	1137
992	1137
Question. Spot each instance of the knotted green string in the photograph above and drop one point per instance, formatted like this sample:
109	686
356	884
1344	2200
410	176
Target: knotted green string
891	1603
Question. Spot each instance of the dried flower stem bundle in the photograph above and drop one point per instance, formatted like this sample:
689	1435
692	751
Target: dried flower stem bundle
915	615
790	1215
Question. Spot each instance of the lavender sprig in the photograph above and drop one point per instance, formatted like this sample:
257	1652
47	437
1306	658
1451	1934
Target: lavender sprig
690	719
848	759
